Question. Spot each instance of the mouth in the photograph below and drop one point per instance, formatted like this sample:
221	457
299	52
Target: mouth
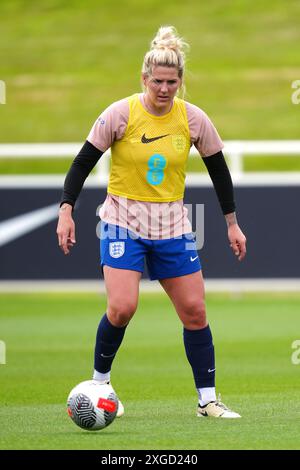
163	98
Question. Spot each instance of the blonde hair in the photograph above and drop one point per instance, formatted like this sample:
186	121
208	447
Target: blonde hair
167	49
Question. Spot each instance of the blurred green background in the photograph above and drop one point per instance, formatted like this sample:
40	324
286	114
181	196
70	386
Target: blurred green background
64	61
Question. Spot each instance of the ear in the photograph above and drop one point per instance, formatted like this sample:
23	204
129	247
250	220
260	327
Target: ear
144	79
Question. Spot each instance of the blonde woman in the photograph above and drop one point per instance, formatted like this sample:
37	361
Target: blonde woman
143	216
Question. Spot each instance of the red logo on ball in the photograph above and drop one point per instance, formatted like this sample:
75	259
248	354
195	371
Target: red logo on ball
107	405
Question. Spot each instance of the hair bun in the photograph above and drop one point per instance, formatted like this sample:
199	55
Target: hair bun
167	38
167	49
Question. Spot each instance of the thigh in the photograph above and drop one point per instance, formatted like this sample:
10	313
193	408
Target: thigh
122	261
187	294
122	287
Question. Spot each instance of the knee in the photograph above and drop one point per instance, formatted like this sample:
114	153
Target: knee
120	314
195	315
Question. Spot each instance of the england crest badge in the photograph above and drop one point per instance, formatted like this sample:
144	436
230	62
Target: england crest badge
116	249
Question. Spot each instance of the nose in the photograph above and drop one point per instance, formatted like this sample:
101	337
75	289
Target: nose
164	87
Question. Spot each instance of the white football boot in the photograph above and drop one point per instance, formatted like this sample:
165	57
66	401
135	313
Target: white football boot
216	409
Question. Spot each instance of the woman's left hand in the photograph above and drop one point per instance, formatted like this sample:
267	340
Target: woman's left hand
237	241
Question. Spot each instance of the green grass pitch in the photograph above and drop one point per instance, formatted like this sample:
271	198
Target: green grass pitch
49	349
64	62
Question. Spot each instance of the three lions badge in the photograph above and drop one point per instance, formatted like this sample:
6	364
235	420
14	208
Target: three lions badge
116	249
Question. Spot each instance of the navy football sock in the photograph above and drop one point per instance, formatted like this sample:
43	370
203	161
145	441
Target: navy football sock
108	341
201	356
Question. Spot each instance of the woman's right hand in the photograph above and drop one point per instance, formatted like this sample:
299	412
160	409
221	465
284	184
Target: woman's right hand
66	228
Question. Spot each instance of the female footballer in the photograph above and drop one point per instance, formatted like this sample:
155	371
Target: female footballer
143	216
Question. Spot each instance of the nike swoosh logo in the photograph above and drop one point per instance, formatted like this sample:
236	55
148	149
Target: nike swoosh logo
145	140
111	355
20	225
211	370
193	259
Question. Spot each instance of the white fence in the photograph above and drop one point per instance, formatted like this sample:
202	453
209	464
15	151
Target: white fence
235	150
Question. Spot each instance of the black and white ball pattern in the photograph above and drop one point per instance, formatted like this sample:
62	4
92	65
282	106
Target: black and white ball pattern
81	410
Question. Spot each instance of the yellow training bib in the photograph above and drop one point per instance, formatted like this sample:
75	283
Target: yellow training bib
149	162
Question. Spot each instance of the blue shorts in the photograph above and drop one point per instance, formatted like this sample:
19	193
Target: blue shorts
173	257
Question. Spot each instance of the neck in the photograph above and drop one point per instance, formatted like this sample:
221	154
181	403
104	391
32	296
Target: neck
153	109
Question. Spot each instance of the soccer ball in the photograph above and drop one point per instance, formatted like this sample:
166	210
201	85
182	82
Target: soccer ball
92	406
